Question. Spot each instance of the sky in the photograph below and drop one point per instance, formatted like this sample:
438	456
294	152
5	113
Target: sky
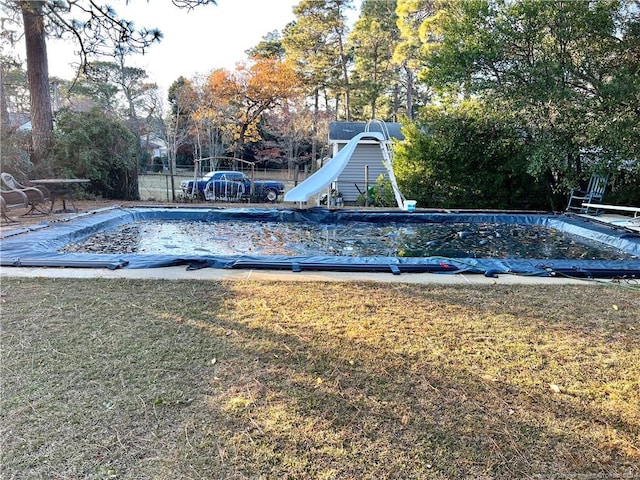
195	42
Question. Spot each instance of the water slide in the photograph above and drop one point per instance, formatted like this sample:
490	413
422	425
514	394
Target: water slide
327	174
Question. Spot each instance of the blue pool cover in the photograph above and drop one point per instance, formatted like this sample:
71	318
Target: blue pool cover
41	245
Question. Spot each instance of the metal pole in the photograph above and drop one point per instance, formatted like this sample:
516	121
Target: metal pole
366	185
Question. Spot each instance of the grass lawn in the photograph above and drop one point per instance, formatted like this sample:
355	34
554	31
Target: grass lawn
122	379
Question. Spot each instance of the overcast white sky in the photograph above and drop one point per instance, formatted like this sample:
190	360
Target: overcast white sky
194	42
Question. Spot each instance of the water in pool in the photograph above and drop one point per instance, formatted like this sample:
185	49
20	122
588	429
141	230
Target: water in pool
357	239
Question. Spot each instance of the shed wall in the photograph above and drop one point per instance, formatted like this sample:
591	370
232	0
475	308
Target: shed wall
354	173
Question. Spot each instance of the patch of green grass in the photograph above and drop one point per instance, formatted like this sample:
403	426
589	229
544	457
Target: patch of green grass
154	379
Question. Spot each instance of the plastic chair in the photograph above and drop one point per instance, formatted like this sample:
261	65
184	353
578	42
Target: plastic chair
593	194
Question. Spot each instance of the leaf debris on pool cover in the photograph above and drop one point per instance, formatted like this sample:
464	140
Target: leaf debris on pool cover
357	239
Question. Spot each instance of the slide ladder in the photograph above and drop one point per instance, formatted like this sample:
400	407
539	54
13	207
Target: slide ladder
388	161
327	174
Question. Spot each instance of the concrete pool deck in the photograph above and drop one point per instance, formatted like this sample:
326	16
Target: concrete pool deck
215	274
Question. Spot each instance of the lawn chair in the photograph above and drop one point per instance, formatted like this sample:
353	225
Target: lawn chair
593	194
37	197
11	200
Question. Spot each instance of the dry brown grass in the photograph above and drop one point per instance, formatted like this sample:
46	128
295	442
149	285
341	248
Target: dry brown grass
178	380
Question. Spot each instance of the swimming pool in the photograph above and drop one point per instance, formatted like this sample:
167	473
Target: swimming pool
47	244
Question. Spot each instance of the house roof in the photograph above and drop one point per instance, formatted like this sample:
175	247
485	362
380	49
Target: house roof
152	141
20	120
345	131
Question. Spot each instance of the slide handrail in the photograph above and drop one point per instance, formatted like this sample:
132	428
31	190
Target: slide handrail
330	172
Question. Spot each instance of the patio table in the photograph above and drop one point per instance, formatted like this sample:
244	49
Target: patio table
61	188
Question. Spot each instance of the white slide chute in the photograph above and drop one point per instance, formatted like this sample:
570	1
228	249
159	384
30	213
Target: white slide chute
330	172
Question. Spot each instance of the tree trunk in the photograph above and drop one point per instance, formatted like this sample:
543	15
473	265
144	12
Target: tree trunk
314	128
38	77
347	86
4	109
409	73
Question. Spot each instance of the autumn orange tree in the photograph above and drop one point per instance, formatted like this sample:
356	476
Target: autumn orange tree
214	114
239	98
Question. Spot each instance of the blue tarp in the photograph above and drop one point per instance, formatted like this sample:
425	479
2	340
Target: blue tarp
40	246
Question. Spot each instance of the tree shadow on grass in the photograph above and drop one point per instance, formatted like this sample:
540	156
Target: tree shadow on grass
328	398
124	379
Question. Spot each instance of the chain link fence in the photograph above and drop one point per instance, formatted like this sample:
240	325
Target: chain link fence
157	186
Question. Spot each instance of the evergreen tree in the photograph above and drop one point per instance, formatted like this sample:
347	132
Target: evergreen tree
561	70
375	78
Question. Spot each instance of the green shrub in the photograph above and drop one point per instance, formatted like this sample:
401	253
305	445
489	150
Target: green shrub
94	146
15	154
379	195
465	157
159	163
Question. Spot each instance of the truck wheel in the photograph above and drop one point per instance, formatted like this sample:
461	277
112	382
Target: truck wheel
271	195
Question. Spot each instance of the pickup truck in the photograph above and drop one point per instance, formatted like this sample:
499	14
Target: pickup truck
230	185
